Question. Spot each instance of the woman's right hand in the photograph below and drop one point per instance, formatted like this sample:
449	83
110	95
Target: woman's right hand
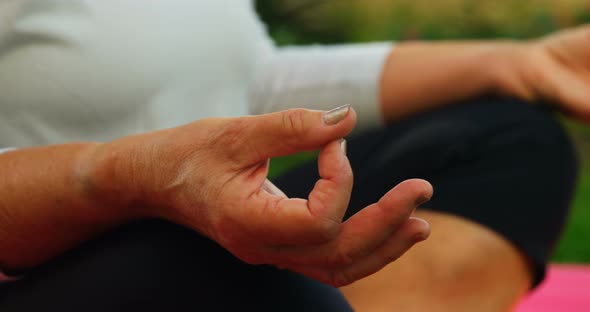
211	175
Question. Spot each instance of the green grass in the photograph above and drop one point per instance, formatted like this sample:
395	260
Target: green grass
282	164
575	243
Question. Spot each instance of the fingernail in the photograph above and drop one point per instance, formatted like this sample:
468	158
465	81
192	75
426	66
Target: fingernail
336	115
424	231
343	146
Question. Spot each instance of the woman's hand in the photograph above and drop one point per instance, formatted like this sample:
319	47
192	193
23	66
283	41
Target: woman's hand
555	69
211	175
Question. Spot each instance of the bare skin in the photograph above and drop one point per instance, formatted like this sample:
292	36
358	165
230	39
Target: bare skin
554	69
461	267
218	189
84	189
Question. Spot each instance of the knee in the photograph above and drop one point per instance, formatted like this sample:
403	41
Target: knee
532	149
471	264
460	266
467	253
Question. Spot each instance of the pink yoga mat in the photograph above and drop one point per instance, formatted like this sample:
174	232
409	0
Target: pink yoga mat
566	289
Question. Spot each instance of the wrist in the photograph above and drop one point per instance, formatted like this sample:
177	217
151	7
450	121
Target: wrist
135	174
102	171
508	65
454	71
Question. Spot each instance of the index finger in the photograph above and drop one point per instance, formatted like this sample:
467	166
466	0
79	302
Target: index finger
362	233
295	221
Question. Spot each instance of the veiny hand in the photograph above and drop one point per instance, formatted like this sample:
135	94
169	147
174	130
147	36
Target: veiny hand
211	175
556	69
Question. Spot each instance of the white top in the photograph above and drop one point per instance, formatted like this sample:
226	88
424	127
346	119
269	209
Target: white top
96	70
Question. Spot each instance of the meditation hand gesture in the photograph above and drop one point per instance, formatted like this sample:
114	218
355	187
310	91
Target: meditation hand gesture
211	175
556	69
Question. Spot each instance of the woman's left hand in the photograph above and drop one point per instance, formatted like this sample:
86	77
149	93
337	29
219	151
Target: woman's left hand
555	69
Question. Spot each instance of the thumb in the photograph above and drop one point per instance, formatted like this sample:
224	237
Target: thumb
295	130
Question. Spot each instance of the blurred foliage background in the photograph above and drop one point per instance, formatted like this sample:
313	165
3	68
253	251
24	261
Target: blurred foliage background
338	21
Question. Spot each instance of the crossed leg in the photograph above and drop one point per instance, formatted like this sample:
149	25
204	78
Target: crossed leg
503	173
461	267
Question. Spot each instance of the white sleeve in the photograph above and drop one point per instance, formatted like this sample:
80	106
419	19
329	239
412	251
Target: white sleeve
322	77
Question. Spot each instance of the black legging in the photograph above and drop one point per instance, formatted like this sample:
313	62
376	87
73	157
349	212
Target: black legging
501	163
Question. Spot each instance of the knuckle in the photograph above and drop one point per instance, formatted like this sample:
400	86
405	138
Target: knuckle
294	123
231	133
231	138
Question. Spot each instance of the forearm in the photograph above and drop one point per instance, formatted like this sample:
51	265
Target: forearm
420	76
46	204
